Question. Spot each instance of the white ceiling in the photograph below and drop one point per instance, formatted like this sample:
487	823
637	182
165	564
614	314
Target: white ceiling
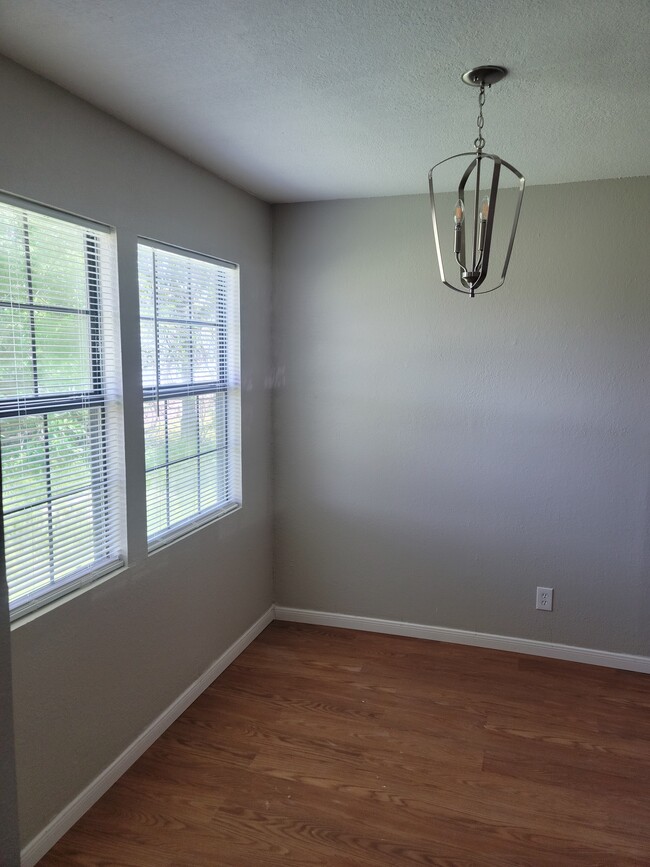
314	99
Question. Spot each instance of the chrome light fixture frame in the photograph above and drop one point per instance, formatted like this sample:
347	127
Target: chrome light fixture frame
471	278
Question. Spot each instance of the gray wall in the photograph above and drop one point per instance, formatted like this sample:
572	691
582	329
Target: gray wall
92	673
437	457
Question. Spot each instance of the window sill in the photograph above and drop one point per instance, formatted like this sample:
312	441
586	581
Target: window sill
189	529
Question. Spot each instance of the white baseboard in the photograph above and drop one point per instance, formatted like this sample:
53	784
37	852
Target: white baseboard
461	636
44	841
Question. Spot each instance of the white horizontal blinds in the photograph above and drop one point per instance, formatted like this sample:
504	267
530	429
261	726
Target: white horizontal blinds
61	493
189	308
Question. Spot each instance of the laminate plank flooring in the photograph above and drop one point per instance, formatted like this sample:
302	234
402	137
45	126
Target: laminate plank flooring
322	746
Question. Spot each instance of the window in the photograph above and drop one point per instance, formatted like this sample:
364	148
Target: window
59	411
189	323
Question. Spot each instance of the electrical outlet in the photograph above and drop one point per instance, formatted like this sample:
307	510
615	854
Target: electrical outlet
544	599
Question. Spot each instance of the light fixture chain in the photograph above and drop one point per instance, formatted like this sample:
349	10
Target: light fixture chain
479	141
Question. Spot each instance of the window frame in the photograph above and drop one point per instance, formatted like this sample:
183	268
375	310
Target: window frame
227	383
101	399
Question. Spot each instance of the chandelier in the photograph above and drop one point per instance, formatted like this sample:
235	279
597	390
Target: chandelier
475	212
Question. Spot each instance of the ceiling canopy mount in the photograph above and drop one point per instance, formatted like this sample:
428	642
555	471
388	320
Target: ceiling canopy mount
484	75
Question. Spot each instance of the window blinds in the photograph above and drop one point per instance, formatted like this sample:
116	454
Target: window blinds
59	422
189	308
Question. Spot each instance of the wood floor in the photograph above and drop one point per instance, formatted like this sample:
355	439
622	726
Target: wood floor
324	746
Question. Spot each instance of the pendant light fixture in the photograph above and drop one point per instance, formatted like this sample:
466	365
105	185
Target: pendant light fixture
474	215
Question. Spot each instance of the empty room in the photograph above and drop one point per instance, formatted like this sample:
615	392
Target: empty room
324	433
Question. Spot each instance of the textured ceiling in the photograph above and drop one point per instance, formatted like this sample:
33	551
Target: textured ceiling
314	99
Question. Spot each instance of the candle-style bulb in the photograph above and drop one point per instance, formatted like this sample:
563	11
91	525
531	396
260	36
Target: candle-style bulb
482	222
459	219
